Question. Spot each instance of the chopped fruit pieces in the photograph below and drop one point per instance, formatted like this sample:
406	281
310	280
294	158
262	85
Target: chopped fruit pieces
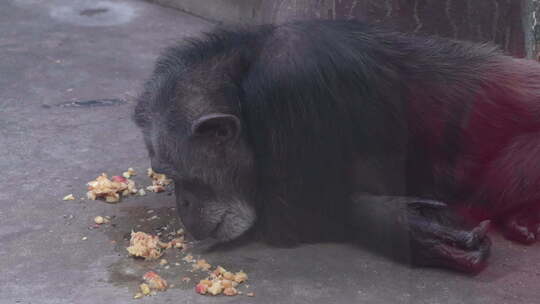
155	188
177	243
100	220
188	258
155	281
186	279
201	289
144	288
201	265
129	173
144	245
152	283
227	283
110	189
216	288
240	277
219	271
221	281
69	197
230	291
149	246
159	181
119	179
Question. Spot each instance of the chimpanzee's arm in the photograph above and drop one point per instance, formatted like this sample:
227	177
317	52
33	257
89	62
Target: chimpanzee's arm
424	232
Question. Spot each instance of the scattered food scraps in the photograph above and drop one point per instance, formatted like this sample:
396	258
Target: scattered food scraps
219	271
240	277
201	265
159	181
149	246
188	258
228	283
144	288
69	197
216	288
152	283
110	189
221	281
100	220
129	173
201	288
228	275
144	245
177	243
230	291
155	281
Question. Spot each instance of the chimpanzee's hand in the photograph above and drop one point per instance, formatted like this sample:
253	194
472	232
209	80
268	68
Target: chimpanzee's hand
438	238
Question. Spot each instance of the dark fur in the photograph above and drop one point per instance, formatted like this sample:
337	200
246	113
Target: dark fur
334	108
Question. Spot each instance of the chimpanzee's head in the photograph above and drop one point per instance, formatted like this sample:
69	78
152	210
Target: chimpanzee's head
192	127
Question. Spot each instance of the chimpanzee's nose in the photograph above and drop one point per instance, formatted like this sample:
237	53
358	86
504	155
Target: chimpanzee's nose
186	203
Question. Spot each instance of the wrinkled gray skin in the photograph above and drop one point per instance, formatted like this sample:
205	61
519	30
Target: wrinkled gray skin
187	130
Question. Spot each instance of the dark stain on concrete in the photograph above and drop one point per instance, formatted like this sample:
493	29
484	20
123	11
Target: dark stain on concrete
93	11
128	271
92	103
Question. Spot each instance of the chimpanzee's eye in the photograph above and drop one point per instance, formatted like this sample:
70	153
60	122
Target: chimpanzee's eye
197	188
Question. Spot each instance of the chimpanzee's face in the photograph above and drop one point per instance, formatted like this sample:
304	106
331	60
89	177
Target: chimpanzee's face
194	135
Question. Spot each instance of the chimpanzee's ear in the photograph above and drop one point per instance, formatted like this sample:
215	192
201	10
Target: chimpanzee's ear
218	127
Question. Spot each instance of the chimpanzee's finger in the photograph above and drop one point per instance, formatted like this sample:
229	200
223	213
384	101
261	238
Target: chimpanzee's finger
478	234
423	227
426	203
469	261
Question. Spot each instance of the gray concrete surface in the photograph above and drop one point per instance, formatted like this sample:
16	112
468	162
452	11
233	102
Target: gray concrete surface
236	11
62	51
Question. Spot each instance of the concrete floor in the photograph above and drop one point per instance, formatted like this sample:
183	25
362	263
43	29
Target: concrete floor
55	52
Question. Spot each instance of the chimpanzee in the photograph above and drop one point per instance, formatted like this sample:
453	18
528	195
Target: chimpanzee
306	131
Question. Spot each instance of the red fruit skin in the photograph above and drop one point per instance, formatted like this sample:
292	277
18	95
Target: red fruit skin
119	179
150	275
201	288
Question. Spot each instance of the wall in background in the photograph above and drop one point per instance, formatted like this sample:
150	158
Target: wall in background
512	24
